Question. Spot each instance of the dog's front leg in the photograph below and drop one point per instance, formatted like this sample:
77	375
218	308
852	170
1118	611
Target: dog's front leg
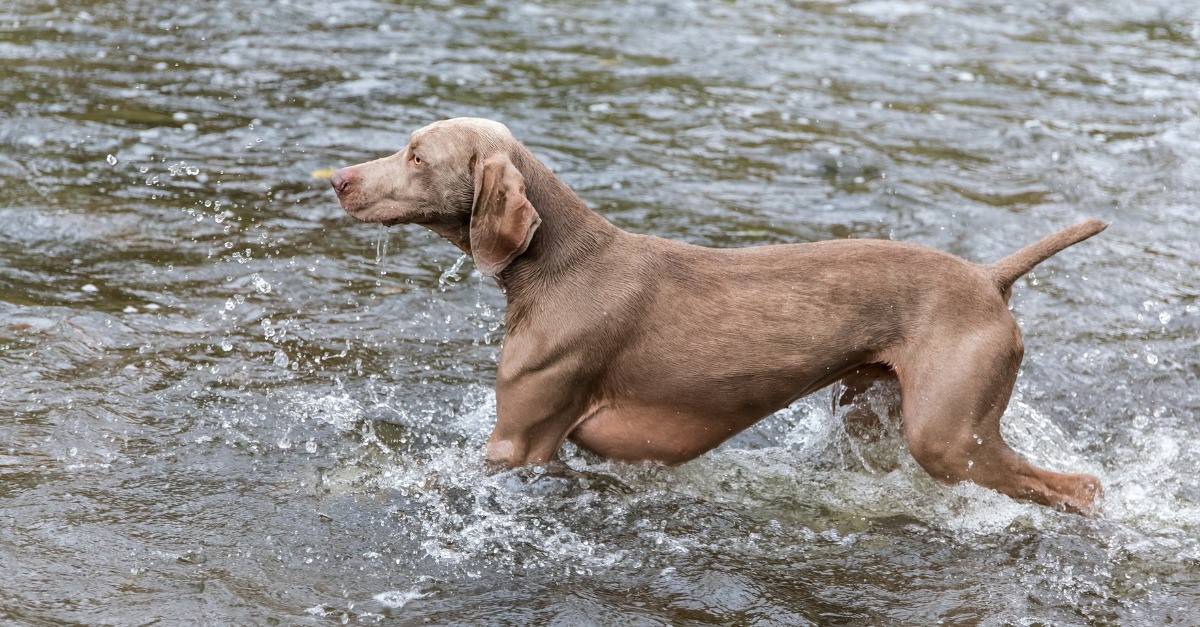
535	412
522	442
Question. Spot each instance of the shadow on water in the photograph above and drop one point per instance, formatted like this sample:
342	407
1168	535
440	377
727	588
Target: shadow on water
223	399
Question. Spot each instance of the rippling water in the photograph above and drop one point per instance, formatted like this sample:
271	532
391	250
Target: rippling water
225	401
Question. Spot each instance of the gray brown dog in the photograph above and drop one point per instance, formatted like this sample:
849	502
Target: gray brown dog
641	348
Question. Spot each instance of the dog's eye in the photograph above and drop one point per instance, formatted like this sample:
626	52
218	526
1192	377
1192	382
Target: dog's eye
416	160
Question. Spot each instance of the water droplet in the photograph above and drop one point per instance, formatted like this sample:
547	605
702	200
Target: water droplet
90	289
381	246
281	360
261	285
1164	317
451	273
111	159
1151	358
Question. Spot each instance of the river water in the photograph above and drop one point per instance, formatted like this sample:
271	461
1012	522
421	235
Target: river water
223	401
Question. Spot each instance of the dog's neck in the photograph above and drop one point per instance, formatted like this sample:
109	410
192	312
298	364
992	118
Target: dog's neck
570	232
457	233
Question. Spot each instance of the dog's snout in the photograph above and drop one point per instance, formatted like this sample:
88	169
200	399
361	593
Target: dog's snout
341	180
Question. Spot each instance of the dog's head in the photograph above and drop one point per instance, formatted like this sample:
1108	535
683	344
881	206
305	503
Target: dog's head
456	177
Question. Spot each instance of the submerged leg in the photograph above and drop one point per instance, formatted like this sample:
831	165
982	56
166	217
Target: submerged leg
857	398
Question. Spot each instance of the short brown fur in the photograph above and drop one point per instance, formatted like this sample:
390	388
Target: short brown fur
641	348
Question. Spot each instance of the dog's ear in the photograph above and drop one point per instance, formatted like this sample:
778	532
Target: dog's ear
502	220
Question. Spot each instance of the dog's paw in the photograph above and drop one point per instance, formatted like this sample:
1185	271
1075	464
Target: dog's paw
1080	493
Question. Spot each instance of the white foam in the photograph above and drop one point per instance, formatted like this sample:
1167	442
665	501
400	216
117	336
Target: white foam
396	599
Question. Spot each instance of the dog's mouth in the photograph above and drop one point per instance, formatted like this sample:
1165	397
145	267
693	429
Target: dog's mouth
378	213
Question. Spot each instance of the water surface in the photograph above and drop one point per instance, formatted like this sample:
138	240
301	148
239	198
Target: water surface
224	401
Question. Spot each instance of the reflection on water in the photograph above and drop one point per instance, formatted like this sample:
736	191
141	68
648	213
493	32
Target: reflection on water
222	398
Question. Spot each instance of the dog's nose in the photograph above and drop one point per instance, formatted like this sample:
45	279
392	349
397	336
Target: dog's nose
341	180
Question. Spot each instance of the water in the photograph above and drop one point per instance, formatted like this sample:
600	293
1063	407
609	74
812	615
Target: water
224	400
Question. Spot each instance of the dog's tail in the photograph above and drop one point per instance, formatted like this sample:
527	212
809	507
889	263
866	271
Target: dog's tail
1008	270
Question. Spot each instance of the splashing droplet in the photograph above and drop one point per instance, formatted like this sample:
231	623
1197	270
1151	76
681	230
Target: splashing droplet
111	159
451	273
261	285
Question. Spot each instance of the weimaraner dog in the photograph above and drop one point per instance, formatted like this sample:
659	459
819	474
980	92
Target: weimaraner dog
642	348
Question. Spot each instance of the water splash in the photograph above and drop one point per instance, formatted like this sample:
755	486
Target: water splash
450	275
396	599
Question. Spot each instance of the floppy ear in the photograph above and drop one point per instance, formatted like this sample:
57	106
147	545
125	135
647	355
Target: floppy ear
502	220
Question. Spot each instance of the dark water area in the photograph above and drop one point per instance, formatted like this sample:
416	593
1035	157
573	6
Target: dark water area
223	401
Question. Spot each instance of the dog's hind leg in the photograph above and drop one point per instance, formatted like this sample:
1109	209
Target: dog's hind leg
954	389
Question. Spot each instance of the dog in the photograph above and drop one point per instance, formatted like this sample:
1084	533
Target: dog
641	348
